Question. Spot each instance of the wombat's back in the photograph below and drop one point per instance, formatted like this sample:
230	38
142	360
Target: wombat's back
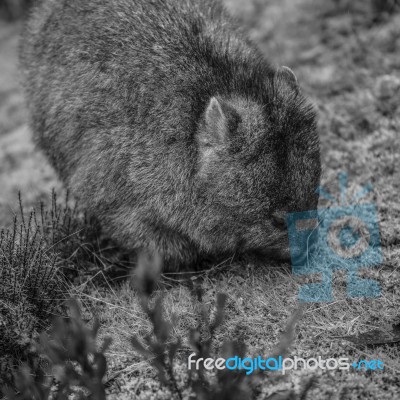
99	67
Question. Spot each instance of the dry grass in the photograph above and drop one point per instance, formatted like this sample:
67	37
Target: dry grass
346	61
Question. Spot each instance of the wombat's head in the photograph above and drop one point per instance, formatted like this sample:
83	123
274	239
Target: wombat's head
257	161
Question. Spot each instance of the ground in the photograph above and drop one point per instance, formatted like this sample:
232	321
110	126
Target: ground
347	60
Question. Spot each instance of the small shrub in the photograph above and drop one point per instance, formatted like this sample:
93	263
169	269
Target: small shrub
161	350
34	258
29	290
77	366
74	359
36	255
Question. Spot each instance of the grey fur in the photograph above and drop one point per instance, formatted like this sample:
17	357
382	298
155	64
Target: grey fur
168	125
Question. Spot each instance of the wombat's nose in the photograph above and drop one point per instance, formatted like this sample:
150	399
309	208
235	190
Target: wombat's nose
279	219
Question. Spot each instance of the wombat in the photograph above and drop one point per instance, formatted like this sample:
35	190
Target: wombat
169	126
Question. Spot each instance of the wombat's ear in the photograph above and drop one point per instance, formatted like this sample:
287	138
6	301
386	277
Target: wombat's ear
212	134
288	75
216	122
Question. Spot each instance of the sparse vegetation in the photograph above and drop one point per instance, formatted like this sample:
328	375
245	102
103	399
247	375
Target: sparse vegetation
38	255
77	366
161	350
29	291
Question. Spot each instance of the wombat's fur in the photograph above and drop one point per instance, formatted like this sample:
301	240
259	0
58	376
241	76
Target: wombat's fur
169	126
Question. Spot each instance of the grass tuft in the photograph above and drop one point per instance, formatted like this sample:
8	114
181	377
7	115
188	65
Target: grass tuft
38	256
30	288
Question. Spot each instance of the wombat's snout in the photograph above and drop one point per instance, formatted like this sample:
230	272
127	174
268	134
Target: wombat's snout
283	253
